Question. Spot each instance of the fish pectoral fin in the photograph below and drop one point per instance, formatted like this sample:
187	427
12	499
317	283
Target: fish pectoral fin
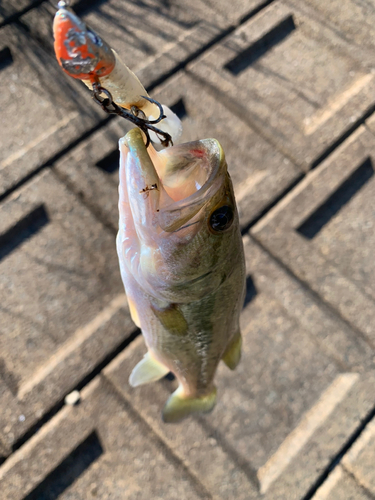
179	407
147	370
172	319
232	354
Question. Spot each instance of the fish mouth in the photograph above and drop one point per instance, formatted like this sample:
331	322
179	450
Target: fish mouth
175	183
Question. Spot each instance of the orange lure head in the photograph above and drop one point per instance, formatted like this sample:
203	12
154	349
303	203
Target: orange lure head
80	52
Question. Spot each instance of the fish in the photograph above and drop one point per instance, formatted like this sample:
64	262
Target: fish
182	264
84	55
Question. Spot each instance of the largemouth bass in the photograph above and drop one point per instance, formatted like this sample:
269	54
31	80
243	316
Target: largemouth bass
182	264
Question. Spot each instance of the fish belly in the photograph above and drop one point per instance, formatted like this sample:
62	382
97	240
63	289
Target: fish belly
188	340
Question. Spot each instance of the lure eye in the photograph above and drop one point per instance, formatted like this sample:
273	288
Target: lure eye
222	218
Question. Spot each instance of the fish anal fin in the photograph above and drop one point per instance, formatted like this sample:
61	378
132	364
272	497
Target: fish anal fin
232	354
147	370
172	319
179	407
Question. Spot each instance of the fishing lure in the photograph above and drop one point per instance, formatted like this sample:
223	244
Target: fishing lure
84	55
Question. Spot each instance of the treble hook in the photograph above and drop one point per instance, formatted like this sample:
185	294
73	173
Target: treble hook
135	115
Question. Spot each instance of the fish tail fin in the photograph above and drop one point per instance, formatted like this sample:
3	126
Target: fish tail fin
147	370
178	406
232	354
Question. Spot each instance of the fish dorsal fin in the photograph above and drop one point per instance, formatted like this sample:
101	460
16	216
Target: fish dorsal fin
179	407
232	354
147	370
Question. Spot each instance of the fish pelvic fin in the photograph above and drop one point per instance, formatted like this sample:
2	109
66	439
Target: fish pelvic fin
232	354
147	370
179	406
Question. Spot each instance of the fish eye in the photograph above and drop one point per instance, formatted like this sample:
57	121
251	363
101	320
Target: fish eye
94	38
222	218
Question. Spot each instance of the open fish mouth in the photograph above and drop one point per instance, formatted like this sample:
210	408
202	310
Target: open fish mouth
171	186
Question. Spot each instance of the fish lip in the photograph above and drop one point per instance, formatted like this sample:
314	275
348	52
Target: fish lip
134	140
